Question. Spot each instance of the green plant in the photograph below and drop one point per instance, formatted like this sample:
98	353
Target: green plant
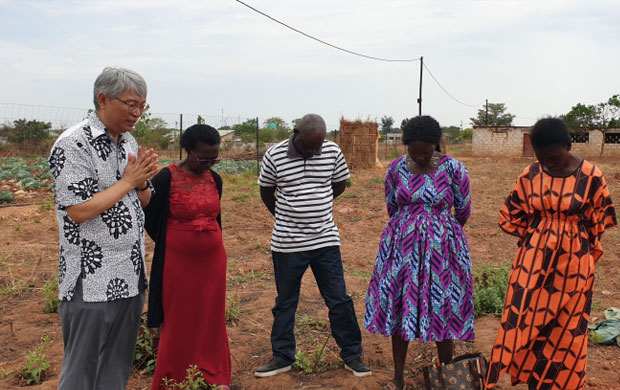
35	369
313	362
357	272
490	285
595	337
47	206
14	288
146	349
246	277
310	323
193	381
234	310
50	292
6	196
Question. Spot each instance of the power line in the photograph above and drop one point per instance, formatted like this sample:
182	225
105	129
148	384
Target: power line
326	43
446	91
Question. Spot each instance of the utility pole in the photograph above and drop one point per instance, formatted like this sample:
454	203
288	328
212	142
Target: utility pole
486	113
420	97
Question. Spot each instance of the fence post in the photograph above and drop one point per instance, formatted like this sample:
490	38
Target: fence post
257	151
180	134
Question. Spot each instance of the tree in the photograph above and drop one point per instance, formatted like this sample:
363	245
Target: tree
275	123
452	133
249	126
29	131
386	124
403	123
264	136
295	122
496	116
152	131
601	117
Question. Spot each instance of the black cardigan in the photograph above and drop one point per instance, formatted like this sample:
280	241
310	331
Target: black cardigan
156	213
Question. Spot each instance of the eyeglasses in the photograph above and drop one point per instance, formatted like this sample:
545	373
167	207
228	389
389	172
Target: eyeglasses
208	161
134	107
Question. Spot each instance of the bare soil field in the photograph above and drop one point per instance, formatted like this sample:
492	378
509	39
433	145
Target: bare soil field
28	258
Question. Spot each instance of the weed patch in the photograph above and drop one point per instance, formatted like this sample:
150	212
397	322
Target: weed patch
50	293
310	323
313	362
193	381
14	288
490	289
35	369
234	310
146	349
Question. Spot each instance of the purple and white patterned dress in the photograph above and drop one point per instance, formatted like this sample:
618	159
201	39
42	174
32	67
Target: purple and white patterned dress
421	286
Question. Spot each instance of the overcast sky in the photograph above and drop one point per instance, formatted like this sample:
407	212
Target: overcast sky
219	58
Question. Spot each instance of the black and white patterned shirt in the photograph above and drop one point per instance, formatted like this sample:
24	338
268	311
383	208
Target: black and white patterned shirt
106	251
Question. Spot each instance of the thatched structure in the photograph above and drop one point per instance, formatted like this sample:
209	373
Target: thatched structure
359	143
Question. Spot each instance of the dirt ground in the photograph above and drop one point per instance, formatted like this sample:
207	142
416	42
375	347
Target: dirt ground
28	258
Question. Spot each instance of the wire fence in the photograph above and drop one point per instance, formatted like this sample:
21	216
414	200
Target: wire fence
169	125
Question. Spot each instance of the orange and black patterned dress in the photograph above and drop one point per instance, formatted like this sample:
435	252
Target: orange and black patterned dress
542	338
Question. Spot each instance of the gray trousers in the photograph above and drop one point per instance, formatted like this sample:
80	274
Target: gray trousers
100	339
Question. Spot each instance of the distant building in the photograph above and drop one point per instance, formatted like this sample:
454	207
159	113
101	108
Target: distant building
514	141
226	135
393	138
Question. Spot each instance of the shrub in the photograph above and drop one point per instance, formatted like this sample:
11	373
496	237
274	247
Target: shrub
35	369
50	292
193	381
146	349
6	196
234	310
314	362
490	285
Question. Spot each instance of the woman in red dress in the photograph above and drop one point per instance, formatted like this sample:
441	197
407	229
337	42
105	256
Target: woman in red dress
187	296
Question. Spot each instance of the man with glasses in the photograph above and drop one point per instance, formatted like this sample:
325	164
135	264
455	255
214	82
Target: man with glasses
308	173
100	187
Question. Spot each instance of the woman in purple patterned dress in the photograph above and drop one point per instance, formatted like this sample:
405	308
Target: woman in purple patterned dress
421	287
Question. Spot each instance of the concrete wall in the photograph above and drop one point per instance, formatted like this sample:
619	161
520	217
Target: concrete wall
498	141
508	141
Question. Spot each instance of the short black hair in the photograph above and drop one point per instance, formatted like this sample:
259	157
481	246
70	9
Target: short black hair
549	132
422	128
199	133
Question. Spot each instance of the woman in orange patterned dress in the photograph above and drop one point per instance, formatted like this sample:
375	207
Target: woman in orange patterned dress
558	208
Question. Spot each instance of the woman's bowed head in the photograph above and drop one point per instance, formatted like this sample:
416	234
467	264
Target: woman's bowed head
552	143
202	144
422	136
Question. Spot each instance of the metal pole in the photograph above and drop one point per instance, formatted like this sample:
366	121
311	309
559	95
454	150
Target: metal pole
180	134
257	151
420	98
486	113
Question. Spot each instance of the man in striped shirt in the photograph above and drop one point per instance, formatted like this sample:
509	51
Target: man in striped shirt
299	180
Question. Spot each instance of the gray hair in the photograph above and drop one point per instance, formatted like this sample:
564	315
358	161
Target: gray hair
310	123
113	81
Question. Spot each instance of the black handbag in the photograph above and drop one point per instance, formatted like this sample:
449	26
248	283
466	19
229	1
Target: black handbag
465	372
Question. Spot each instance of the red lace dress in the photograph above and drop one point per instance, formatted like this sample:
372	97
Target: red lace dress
194	284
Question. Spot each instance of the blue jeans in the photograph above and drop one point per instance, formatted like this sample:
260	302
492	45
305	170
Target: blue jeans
326	265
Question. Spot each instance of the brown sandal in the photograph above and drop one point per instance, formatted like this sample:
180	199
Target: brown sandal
391	386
